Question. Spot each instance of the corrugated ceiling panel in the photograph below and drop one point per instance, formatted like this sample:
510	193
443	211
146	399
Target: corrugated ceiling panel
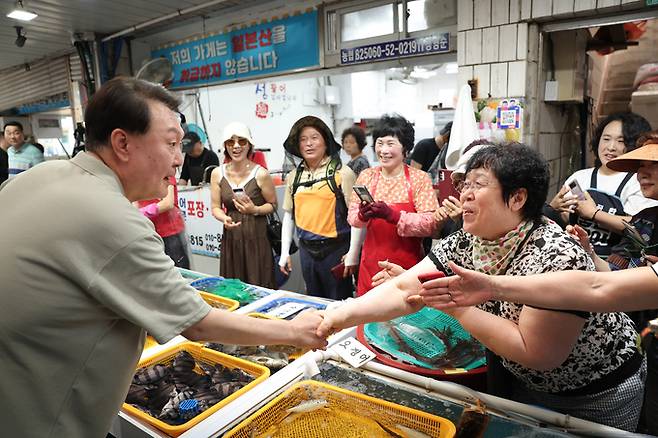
43	79
76	67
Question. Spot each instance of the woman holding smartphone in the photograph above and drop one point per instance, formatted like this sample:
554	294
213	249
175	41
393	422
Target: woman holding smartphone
242	195
404	203
610	197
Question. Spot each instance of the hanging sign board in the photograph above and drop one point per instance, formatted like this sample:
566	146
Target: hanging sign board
439	43
266	49
203	230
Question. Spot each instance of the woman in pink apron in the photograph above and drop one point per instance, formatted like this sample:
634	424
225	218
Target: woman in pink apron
404	202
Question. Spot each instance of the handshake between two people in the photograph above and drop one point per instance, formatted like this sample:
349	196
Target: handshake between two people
397	292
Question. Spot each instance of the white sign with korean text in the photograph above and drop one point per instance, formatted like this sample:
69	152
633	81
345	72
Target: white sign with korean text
353	352
203	230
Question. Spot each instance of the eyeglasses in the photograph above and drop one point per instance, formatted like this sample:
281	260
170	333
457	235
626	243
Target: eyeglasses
475	186
231	142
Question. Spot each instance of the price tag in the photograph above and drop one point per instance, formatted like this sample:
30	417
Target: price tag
287	309
353	352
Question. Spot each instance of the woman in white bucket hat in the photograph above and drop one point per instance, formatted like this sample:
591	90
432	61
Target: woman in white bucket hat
242	195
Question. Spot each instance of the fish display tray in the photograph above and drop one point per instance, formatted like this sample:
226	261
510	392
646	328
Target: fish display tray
209	357
231	288
378	336
288	307
219	302
347	414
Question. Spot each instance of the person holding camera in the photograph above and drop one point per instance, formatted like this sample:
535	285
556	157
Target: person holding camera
242	195
608	197
401	211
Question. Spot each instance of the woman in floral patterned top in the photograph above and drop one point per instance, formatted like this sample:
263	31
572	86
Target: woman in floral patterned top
582	364
403	211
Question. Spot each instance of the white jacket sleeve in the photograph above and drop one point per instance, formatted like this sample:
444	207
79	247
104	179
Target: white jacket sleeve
357	235
287	228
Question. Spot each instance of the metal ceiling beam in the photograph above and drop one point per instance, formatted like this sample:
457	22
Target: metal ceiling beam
149	23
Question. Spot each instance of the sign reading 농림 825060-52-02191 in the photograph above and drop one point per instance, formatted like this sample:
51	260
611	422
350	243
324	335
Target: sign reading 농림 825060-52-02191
266	49
426	45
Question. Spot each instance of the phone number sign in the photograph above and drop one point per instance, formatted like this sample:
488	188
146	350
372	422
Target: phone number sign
203	230
439	43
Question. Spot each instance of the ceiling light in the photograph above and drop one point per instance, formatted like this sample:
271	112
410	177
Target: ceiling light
20	13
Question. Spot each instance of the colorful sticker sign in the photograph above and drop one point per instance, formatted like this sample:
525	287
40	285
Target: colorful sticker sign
203	230
270	48
509	114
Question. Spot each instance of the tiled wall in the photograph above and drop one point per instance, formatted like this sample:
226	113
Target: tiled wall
498	44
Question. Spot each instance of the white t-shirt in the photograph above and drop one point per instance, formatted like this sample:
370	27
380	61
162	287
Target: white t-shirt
631	196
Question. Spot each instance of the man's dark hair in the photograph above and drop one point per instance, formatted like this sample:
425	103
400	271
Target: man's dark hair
122	103
358	135
516	166
19	125
396	126
632	126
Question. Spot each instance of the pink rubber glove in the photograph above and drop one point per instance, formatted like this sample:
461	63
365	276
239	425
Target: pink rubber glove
382	210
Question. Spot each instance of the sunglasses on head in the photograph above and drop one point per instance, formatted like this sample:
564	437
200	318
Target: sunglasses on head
240	141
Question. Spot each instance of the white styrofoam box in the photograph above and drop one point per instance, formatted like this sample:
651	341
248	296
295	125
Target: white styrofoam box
507	42
542	8
490	44
464	74
526	9
517	79
607	3
522	41
461	48
481	13
499	80
474	46
465	15
482	73
561	7
584	5
550	91
500	10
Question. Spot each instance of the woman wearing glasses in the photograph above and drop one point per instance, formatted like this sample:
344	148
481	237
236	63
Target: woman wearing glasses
583	364
403	211
242	195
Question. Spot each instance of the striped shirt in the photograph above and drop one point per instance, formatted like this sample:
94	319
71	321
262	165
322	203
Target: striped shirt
24	158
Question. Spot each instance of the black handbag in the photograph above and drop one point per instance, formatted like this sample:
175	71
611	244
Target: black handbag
274	234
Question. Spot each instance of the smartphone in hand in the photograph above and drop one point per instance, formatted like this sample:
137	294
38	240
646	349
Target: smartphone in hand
363	194
431	276
576	190
239	193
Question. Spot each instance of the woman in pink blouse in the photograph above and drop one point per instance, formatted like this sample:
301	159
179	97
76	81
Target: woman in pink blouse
403	209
